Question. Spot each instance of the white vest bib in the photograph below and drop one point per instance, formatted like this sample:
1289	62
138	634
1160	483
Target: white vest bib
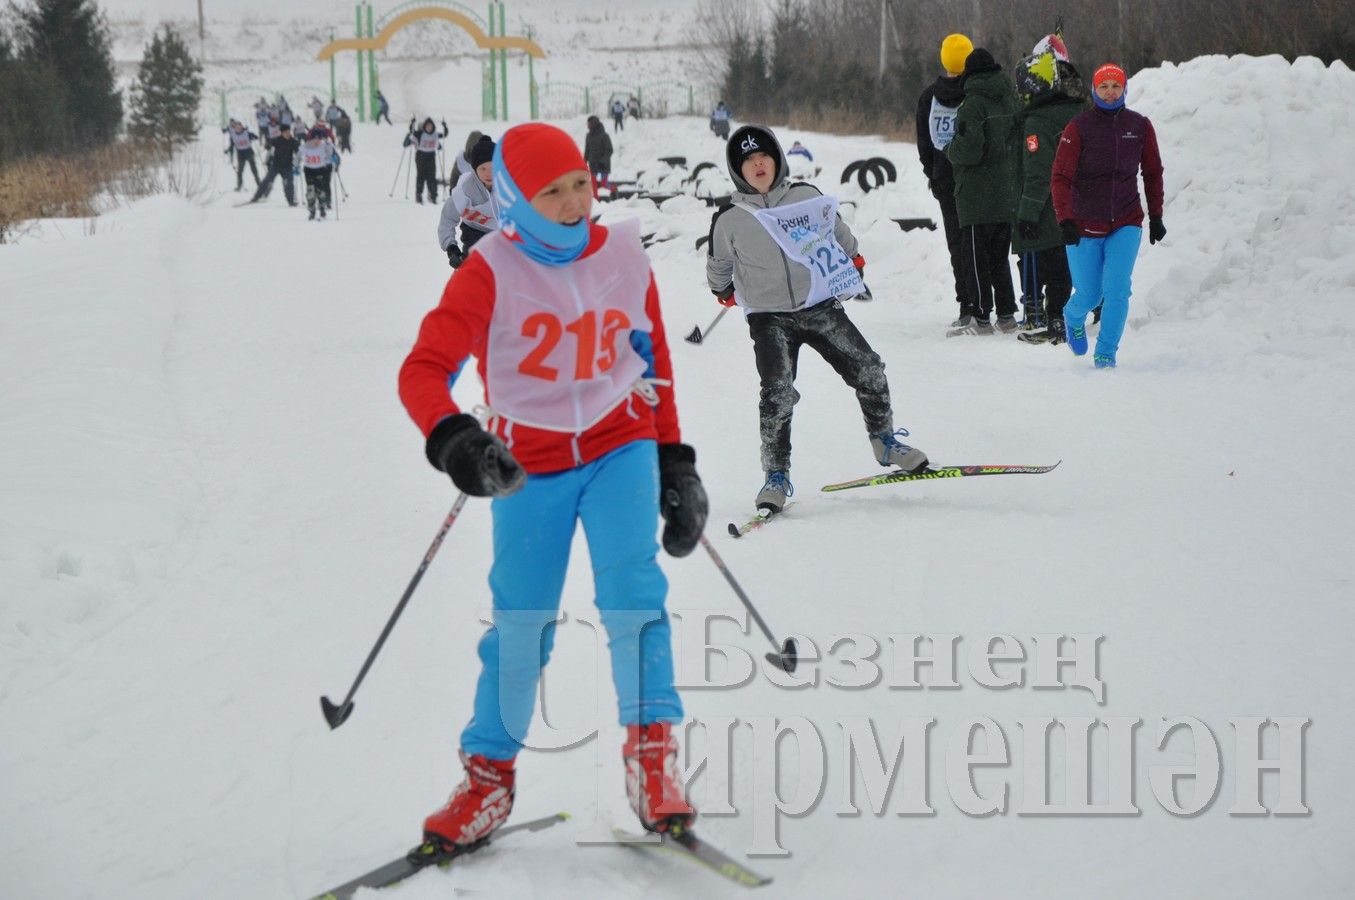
484	214
804	230
558	355
316	157
941	123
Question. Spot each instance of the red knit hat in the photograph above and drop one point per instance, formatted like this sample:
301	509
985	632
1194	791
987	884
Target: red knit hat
1108	72
536	154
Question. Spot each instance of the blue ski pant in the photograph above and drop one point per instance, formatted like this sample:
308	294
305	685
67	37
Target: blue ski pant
616	498
1102	269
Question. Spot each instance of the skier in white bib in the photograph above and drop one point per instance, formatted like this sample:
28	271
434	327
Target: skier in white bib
781	253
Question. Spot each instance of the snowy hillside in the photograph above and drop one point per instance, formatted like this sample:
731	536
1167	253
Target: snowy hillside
211	498
431	66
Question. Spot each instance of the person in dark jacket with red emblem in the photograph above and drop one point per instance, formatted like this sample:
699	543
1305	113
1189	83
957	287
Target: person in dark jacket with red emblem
1095	188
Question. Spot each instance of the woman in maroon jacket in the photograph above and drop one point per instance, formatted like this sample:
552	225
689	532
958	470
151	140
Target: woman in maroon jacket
1095	188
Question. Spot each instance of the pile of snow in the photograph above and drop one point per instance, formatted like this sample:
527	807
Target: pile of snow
212	499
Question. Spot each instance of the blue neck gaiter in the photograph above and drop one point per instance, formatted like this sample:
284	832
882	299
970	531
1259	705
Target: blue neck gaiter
1110	107
547	242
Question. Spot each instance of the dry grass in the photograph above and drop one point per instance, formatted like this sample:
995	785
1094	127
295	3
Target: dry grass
834	121
82	185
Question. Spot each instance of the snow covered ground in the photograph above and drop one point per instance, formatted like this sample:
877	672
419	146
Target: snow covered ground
210	499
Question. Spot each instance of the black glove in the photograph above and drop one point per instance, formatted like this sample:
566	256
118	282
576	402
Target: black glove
725	296
477	461
454	256
1028	230
682	499
1156	230
1071	236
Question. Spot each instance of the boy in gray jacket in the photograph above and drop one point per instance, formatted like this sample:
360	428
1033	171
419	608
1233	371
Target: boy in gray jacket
471	204
781	253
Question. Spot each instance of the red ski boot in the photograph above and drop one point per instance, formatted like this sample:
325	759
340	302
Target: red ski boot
653	785
477	807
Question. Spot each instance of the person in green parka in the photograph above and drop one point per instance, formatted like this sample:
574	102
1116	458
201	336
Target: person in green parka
1036	237
983	158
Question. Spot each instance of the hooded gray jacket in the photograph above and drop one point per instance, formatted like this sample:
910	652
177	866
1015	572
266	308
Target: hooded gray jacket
741	251
470	194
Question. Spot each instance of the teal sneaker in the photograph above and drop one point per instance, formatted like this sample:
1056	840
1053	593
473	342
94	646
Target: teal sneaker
1102	361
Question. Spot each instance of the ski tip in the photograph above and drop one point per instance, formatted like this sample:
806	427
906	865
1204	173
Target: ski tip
734	530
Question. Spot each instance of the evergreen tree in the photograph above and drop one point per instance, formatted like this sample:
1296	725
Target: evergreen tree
168	90
68	40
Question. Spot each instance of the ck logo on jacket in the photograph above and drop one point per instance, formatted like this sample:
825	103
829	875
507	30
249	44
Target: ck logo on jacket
749	144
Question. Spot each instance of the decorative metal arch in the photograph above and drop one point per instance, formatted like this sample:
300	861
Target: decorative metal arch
417	13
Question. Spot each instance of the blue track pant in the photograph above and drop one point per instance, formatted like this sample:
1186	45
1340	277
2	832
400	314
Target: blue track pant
1102	269
617	499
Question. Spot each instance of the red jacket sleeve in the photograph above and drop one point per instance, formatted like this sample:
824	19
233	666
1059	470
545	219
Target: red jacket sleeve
1152	170
1064	174
665	414
449	335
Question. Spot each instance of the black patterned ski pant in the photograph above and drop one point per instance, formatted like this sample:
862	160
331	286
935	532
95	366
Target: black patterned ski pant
777	339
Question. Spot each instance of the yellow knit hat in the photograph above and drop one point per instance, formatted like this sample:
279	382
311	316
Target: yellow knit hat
955	49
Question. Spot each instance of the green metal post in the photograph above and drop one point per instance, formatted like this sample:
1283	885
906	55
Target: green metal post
503	62
371	65
225	118
333	76
639	99
531	81
691	101
362	96
587	102
493	70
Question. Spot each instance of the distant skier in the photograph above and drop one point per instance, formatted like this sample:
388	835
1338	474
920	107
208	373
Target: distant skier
790	279
576	435
633	107
426	142
799	149
317	107
471	204
383	110
344	129
241	144
719	120
463	158
319	159
1095	187
618	115
597	152
281	163
333	113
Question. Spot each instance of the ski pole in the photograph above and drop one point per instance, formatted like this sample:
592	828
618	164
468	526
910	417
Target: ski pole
409	170
337	715
400	166
343	189
697	336
787	657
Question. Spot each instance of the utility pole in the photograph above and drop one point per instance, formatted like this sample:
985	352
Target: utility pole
884	42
